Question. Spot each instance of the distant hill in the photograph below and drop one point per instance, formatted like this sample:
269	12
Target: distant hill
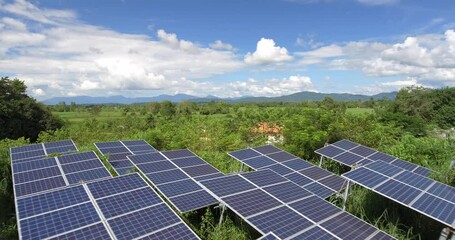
296	97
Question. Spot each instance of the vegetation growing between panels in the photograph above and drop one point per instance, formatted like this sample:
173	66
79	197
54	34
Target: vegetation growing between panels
415	127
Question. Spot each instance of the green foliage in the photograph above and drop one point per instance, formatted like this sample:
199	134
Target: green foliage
20	115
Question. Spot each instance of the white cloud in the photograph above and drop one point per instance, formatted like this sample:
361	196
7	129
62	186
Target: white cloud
38	92
381	87
271	87
266	53
218	44
52	48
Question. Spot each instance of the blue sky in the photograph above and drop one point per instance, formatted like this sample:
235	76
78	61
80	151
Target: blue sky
226	48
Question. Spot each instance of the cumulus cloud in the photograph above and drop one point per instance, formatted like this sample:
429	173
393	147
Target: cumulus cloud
267	52
38	92
271	87
51	50
380	87
218	44
426	58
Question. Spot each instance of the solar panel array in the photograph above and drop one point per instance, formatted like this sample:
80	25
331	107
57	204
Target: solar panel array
175	174
312	178
422	194
123	207
34	170
272	203
118	151
351	154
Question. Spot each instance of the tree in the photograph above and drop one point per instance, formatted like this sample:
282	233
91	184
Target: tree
21	115
167	109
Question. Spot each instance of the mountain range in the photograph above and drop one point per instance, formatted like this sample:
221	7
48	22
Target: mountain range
295	97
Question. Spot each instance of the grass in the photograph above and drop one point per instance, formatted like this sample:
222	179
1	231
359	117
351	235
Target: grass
77	117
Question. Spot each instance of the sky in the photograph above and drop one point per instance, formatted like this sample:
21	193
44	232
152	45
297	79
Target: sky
232	48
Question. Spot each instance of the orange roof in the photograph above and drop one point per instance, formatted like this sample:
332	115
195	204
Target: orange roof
264	127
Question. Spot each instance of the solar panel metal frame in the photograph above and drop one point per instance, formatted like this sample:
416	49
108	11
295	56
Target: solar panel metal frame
42	147
170	198
416	168
283	163
411	203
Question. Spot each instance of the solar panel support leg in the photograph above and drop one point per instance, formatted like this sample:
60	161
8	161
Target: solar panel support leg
222	213
320	161
346	191
241	168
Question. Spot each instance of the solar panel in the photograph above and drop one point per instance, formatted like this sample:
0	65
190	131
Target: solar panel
347	226
175	178
429	197
274	205
119	150
269	236
116	208
351	154
297	170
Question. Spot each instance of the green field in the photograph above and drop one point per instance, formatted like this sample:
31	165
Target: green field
77	117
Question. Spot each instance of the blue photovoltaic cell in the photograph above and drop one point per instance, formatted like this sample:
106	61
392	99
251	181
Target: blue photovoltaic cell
178	188
211	176
88	175
115	185
319	190
348	158
23	156
382	236
58	144
38	186
365	177
97	231
142	222
382	156
287	192
120	164
363	151
178	153
129	143
398	191
264	177
77	157
298	179
347	226
103	145
281	156
200	170
46	202
297	164
141	148
114	150
63	149
244	154
414	180
443	191
364	162
422	171
193	201
315	173
269	236
188	161
177	232
166	176
146	158
316	233
251	202
267	149
345	144
52	223
32	165
227	185
334	182
283	221
404	164
118	156
315	208
36	174
123	171
27	148
156	166
81	166
384	168
259	162
329	151
280	169
129	201
437	208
